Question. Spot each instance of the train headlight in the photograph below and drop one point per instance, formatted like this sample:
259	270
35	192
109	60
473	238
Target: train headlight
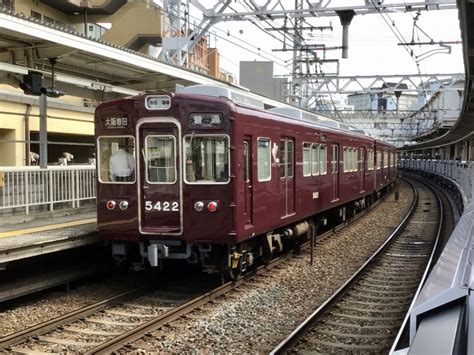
123	205
199	206
111	204
212	206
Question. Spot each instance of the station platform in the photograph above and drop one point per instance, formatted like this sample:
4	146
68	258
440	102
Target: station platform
26	236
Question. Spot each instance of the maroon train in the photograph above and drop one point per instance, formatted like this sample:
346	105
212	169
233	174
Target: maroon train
200	176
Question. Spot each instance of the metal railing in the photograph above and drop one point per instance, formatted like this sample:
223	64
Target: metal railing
459	171
444	304
25	187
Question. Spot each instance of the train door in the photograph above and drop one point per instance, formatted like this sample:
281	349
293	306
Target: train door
160	182
361	169
287	174
248	187
335	171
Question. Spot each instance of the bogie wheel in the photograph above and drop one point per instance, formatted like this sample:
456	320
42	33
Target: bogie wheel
227	272
267	254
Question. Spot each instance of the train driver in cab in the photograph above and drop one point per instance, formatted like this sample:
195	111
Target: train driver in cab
121	164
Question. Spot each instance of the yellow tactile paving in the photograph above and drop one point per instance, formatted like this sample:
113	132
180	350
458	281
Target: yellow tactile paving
48	227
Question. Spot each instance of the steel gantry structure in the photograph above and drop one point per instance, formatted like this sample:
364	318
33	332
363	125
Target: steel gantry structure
308	83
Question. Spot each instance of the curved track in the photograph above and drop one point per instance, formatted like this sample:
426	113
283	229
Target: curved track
365	314
111	324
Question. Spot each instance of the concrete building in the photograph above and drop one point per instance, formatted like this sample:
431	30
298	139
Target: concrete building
258	77
384	99
443	101
134	25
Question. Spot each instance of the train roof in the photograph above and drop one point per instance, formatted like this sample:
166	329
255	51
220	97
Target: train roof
221	91
292	112
240	99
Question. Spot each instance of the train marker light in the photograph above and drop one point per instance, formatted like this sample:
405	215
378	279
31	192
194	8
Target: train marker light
123	205
212	206
158	102
199	206
111	204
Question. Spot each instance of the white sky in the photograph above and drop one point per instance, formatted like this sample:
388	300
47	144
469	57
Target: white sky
373	48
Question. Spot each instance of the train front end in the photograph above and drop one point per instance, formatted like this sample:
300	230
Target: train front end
164	183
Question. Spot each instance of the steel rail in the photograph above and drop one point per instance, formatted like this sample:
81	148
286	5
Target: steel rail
18	337
293	337
429	265
138	332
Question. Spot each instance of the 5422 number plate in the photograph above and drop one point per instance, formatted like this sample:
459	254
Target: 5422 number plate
164	206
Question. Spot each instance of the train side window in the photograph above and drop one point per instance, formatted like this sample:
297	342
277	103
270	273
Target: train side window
286	158
282	158
354	159
264	159
206	159
116	159
379	160
349	163
370	159
160	159
335	159
323	159
361	160
307	155
345	159
291	157
246	162
385	159
314	159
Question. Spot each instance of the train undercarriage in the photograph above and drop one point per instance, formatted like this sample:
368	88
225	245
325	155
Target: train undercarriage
233	260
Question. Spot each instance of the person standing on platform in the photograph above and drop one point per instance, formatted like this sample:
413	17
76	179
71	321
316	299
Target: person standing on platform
121	166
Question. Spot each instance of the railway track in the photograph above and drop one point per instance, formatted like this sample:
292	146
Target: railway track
364	315
111	325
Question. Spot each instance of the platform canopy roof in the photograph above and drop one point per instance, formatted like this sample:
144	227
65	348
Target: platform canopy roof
87	67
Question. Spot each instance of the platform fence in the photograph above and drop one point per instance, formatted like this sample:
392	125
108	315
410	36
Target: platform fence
31	187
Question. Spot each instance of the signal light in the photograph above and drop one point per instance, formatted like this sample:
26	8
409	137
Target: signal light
52	91
212	206
123	205
31	84
111	204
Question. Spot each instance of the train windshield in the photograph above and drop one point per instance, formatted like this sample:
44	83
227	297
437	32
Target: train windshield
207	159
116	162
160	153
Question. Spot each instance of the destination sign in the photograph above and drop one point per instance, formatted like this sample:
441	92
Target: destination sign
115	122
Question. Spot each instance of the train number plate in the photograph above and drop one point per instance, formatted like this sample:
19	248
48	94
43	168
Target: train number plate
162	206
